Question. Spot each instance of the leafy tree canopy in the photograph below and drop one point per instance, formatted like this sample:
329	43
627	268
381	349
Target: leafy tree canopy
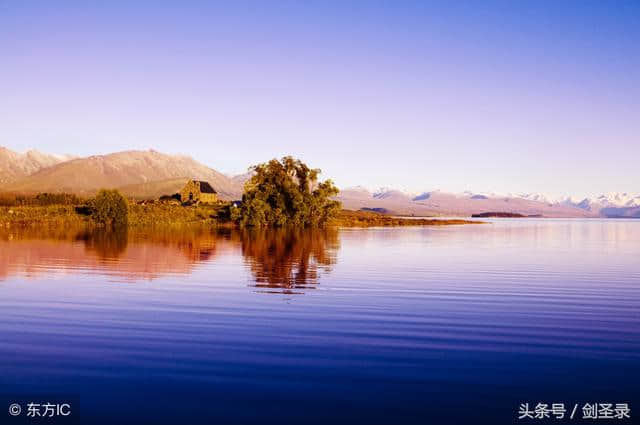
110	207
287	192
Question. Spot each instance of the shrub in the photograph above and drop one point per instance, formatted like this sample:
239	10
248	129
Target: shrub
228	211
170	198
41	199
57	199
110	208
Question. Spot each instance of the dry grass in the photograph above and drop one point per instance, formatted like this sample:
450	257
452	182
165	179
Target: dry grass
158	214
55	215
348	218
175	215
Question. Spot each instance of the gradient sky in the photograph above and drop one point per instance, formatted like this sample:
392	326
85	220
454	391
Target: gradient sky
504	96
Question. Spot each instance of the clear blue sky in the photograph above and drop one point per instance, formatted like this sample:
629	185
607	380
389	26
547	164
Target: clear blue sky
507	96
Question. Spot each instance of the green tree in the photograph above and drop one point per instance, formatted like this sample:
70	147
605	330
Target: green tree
287	192
110	208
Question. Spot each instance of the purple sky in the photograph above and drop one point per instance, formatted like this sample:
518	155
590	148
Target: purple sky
487	96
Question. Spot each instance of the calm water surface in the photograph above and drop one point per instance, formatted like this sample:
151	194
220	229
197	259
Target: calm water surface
400	325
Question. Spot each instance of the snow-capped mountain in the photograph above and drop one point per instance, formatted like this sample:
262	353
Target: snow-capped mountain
437	202
538	197
619	200
610	200
613	199
392	194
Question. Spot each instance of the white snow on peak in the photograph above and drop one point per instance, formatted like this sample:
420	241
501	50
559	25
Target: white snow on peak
385	191
538	197
619	199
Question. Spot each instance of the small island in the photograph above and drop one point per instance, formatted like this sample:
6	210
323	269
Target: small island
504	215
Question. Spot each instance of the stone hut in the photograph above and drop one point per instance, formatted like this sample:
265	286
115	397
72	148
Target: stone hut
198	191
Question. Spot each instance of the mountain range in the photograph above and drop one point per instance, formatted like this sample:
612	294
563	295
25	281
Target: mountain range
149	174
136	173
467	203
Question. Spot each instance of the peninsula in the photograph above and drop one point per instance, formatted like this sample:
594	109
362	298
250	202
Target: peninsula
278	193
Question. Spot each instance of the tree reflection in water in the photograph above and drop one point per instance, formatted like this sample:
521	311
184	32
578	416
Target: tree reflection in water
283	260
280	260
109	244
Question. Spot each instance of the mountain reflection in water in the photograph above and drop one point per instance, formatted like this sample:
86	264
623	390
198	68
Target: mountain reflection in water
280	260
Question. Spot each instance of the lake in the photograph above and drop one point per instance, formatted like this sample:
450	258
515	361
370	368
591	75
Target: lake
450	324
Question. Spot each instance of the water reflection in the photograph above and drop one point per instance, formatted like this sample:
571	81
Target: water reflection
278	260
105	244
285	260
417	319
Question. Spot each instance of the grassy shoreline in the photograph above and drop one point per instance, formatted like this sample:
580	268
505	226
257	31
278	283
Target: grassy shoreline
172	215
348	218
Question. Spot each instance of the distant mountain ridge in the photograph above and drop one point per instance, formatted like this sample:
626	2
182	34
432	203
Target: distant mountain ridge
614	204
468	203
610	205
149	174
122	169
14	165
